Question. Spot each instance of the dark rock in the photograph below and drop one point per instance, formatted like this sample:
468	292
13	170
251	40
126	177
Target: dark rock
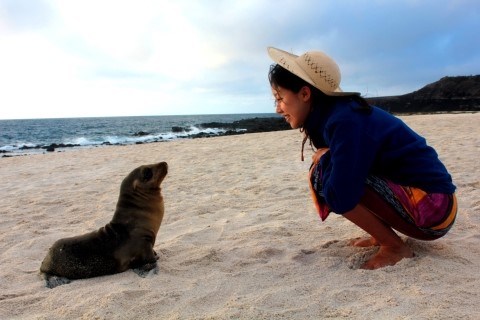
233	132
446	95
202	135
262	124
56	146
178	129
28	148
216	125
141	134
250	125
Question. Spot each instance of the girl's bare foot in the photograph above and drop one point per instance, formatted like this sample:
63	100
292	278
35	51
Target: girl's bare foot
388	256
364	242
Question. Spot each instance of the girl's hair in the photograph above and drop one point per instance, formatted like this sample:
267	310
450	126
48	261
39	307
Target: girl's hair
281	77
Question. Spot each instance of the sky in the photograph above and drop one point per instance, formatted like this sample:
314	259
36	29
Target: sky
89	58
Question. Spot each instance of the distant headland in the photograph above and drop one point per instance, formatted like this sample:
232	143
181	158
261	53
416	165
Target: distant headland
449	94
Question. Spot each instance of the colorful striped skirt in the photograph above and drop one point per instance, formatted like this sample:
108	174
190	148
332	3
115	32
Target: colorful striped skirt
433	213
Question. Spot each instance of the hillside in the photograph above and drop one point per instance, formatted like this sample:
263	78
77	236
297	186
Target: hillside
445	95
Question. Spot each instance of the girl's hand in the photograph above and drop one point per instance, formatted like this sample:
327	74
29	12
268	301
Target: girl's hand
318	154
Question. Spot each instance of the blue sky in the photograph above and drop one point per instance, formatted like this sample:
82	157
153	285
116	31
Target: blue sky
76	58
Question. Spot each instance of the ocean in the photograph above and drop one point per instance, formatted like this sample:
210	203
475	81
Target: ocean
28	136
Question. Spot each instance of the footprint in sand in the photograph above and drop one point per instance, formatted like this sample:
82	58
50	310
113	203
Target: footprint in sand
331	251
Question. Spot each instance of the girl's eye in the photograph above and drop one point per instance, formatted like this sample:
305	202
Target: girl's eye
277	101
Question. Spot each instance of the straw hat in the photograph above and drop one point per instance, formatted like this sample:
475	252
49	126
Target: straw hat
315	67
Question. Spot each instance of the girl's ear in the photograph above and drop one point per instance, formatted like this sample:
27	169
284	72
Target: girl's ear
305	93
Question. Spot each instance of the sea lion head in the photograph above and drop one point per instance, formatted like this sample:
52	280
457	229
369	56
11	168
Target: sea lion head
140	202
146	178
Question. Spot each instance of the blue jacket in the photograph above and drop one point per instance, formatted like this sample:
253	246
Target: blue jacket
370	143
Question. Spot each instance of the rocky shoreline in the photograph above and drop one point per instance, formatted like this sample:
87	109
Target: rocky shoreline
251	125
244	126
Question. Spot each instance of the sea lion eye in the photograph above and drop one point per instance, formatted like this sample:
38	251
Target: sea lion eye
147	174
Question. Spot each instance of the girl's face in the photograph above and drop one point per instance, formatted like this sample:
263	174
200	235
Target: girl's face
294	107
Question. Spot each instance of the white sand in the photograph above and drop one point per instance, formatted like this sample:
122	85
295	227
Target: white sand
240	238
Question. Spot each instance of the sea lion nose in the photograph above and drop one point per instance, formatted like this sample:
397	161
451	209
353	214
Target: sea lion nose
164	165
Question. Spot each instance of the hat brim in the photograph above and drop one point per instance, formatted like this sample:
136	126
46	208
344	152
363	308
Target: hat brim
288	61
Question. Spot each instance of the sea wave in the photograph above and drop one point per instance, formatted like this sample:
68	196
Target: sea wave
93	141
42	135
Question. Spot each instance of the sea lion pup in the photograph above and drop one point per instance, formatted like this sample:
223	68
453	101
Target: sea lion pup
126	242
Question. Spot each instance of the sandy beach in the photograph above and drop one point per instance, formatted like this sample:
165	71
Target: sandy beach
240	238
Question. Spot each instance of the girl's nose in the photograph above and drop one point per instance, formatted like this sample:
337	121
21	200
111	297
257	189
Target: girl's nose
277	108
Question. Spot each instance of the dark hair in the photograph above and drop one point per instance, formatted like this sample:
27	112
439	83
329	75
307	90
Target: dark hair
281	77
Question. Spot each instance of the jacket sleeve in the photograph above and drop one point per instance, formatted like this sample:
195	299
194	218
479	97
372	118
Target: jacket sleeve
347	164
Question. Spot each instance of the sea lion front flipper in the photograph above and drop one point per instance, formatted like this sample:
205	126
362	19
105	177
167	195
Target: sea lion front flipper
55	281
146	265
146	269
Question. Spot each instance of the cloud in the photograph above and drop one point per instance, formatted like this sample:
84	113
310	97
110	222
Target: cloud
17	16
91	58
